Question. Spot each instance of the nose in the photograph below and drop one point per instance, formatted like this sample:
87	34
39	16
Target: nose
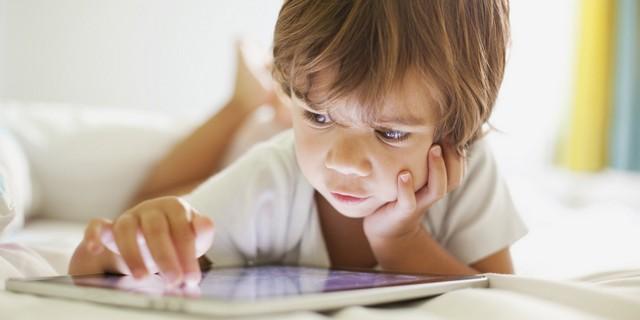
348	157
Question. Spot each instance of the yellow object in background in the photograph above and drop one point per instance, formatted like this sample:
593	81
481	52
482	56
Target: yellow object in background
586	141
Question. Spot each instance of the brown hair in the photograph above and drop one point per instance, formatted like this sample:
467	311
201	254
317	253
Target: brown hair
457	46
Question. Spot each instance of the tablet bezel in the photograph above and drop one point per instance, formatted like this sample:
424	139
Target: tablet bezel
321	301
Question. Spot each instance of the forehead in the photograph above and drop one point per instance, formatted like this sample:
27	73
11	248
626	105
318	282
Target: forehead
411	101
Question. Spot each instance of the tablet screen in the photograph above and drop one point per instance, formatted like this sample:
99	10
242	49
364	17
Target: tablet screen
257	283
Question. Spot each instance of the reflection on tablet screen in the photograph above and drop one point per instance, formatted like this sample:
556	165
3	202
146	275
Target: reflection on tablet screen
256	283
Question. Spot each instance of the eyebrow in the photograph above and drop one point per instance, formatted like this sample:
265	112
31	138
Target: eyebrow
312	106
408	120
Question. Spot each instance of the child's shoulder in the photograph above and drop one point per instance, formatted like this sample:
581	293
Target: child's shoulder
282	142
267	168
481	172
278	149
479	157
274	157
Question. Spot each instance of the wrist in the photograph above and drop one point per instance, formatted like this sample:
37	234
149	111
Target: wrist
391	251
408	236
384	236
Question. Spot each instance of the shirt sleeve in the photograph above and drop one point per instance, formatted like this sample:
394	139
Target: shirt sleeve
249	203
481	218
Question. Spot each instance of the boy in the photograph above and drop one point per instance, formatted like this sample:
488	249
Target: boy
387	97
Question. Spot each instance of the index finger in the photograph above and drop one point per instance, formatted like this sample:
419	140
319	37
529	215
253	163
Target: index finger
436	187
155	228
183	237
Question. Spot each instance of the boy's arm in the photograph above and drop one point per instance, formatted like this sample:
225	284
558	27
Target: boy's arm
426	255
400	241
499	262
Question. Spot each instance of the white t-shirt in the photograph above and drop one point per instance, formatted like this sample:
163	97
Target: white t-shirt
264	210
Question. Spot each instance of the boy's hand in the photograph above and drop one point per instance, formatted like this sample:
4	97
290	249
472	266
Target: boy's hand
403	217
163	234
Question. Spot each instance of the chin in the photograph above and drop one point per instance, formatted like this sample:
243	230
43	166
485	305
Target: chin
354	215
352	212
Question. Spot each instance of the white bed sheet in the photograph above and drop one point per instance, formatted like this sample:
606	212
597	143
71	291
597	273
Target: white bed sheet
46	247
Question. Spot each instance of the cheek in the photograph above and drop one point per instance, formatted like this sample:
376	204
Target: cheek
414	160
309	150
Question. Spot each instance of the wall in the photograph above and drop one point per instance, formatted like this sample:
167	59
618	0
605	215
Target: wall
3	30
177	55
537	89
169	54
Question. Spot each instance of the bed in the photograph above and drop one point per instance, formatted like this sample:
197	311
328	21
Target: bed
580	259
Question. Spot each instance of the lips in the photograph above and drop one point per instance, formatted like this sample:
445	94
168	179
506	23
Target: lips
347	198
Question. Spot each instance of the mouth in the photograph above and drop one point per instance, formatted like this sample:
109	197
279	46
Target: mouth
349	199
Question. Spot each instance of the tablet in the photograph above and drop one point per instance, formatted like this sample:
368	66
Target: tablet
250	290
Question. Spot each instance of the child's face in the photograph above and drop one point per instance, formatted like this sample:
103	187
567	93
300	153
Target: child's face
355	165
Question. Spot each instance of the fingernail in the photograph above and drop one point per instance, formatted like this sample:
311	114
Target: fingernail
91	246
172	279
405	177
138	273
192	279
437	151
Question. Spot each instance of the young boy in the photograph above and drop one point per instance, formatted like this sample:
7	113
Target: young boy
389	100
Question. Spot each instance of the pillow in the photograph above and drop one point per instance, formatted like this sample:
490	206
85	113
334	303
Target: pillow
15	184
7	212
88	161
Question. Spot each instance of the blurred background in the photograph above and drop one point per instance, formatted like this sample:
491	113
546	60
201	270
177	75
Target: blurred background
177	56
568	68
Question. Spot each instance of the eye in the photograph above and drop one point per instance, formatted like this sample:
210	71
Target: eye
317	119
392	135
